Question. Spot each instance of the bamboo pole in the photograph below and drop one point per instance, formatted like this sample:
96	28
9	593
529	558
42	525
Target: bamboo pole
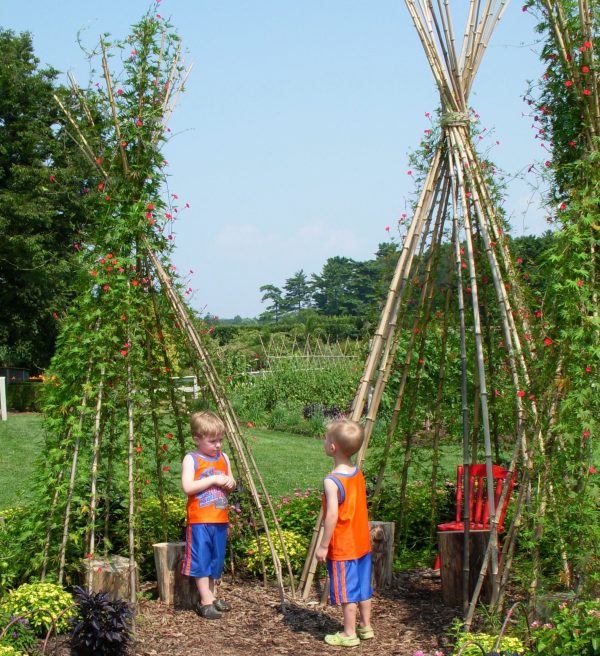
94	476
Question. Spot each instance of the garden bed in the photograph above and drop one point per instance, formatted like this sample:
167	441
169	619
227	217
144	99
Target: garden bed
408	617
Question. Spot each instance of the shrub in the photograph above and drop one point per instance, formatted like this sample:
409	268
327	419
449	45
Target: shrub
508	644
41	604
19	635
298	513
296	546
9	650
102	627
571	630
159	526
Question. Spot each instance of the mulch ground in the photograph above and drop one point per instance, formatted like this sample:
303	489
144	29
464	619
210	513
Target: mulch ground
407	617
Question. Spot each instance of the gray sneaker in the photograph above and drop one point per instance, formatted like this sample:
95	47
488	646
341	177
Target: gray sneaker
208	612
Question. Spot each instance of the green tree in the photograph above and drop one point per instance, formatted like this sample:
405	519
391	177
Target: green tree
297	292
273	294
42	203
333	292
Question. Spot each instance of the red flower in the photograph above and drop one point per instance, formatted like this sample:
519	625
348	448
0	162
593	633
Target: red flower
150	206
568	83
120	92
387	228
123	352
532	397
492	244
105	288
106	197
164	447
138	449
586	433
547	341
100	186
94	273
563	206
167	369
580	283
135	283
587	92
249	424
588	370
166	468
90	556
98	160
592	470
53	178
109	256
421	361
139	123
588	44
520	394
548	163
102	260
585	69
170	436
123	317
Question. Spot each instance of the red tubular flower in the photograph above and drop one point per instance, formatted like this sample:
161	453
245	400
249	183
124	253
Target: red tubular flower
520	394
580	283
568	83
592	470
165	468
585	69
135	283
547	341
587	92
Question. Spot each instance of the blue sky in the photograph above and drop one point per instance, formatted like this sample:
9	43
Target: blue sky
291	141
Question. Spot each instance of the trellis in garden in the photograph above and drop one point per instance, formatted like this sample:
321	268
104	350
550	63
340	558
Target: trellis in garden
115	421
483	305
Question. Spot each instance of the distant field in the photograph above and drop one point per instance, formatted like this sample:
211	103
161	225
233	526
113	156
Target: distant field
286	461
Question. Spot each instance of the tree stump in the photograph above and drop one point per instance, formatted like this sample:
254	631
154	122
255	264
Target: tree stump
174	588
451	547
382	553
111	574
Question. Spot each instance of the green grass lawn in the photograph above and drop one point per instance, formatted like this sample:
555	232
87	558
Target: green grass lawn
285	461
21	441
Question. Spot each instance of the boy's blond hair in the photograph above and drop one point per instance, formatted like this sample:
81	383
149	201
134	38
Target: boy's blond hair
206	423
347	435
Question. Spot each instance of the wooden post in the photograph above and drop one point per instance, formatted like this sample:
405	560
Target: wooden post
174	588
112	575
382	553
451	546
3	415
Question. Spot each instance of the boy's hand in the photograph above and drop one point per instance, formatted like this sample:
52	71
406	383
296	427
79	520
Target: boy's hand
321	554
227	482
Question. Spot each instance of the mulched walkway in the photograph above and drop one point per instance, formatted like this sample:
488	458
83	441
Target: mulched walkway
407	617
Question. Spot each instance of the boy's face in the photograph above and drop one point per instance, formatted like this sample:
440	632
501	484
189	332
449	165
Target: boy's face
209	445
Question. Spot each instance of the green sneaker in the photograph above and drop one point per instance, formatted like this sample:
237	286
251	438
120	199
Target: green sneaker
365	632
339	640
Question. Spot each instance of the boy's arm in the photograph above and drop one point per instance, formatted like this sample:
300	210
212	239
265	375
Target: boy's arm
191	487
330	520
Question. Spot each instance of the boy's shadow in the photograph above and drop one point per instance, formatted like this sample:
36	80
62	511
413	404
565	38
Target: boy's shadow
313	622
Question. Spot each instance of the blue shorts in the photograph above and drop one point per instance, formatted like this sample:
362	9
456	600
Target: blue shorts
204	550
350	580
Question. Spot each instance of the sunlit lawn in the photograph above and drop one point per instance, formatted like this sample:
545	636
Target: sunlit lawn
286	461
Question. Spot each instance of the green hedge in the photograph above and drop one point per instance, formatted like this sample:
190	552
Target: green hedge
23	396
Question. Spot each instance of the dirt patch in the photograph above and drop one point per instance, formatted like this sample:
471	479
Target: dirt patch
407	617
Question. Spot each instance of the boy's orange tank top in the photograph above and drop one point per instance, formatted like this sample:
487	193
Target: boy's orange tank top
209	506
350	538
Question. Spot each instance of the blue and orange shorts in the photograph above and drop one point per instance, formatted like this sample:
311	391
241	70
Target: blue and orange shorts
350	580
204	550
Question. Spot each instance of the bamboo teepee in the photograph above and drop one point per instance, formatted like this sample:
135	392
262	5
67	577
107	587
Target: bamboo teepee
455	202
114	412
